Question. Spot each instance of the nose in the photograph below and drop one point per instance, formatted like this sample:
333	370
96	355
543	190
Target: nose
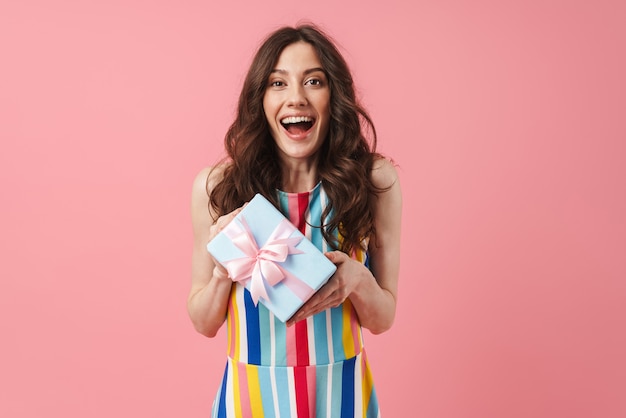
297	96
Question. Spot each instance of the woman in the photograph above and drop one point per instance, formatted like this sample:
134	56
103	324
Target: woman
299	139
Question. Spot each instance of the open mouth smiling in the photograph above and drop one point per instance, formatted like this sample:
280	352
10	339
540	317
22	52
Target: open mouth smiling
297	125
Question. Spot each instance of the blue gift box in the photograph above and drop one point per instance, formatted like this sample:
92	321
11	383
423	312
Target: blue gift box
262	250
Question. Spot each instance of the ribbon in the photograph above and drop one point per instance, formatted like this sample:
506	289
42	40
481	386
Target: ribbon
259	265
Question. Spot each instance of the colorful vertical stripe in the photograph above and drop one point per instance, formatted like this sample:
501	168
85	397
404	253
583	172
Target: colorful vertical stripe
316	368
344	389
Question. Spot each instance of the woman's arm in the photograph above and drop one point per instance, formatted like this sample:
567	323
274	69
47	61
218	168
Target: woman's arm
372	293
210	284
375	298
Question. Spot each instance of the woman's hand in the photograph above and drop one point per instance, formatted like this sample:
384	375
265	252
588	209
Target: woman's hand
349	275
219	272
222	221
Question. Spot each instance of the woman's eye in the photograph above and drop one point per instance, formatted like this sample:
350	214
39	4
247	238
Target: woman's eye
276	84
314	82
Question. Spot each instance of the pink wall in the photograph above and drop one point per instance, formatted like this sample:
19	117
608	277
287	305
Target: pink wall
507	120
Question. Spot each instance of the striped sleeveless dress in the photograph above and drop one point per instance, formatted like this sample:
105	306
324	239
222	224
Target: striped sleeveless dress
313	369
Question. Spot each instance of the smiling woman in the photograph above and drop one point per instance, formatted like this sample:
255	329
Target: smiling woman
297	108
298	139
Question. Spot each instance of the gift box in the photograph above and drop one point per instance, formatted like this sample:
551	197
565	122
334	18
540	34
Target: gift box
267	254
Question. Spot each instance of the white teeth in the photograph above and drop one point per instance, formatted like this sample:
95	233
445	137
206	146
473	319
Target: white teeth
296	119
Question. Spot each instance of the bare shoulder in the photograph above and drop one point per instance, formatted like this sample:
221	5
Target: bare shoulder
384	173
203	183
206	180
387	214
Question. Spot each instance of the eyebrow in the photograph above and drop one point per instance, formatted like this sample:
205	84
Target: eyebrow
306	72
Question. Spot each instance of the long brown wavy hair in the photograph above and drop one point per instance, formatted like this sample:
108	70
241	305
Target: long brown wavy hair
346	156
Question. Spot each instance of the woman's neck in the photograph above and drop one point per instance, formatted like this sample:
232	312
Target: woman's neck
299	177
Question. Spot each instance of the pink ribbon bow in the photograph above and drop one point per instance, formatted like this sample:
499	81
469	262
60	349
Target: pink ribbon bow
259	265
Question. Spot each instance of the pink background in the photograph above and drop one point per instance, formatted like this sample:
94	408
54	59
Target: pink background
507	120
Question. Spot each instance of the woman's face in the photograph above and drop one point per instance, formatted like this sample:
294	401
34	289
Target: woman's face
297	103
